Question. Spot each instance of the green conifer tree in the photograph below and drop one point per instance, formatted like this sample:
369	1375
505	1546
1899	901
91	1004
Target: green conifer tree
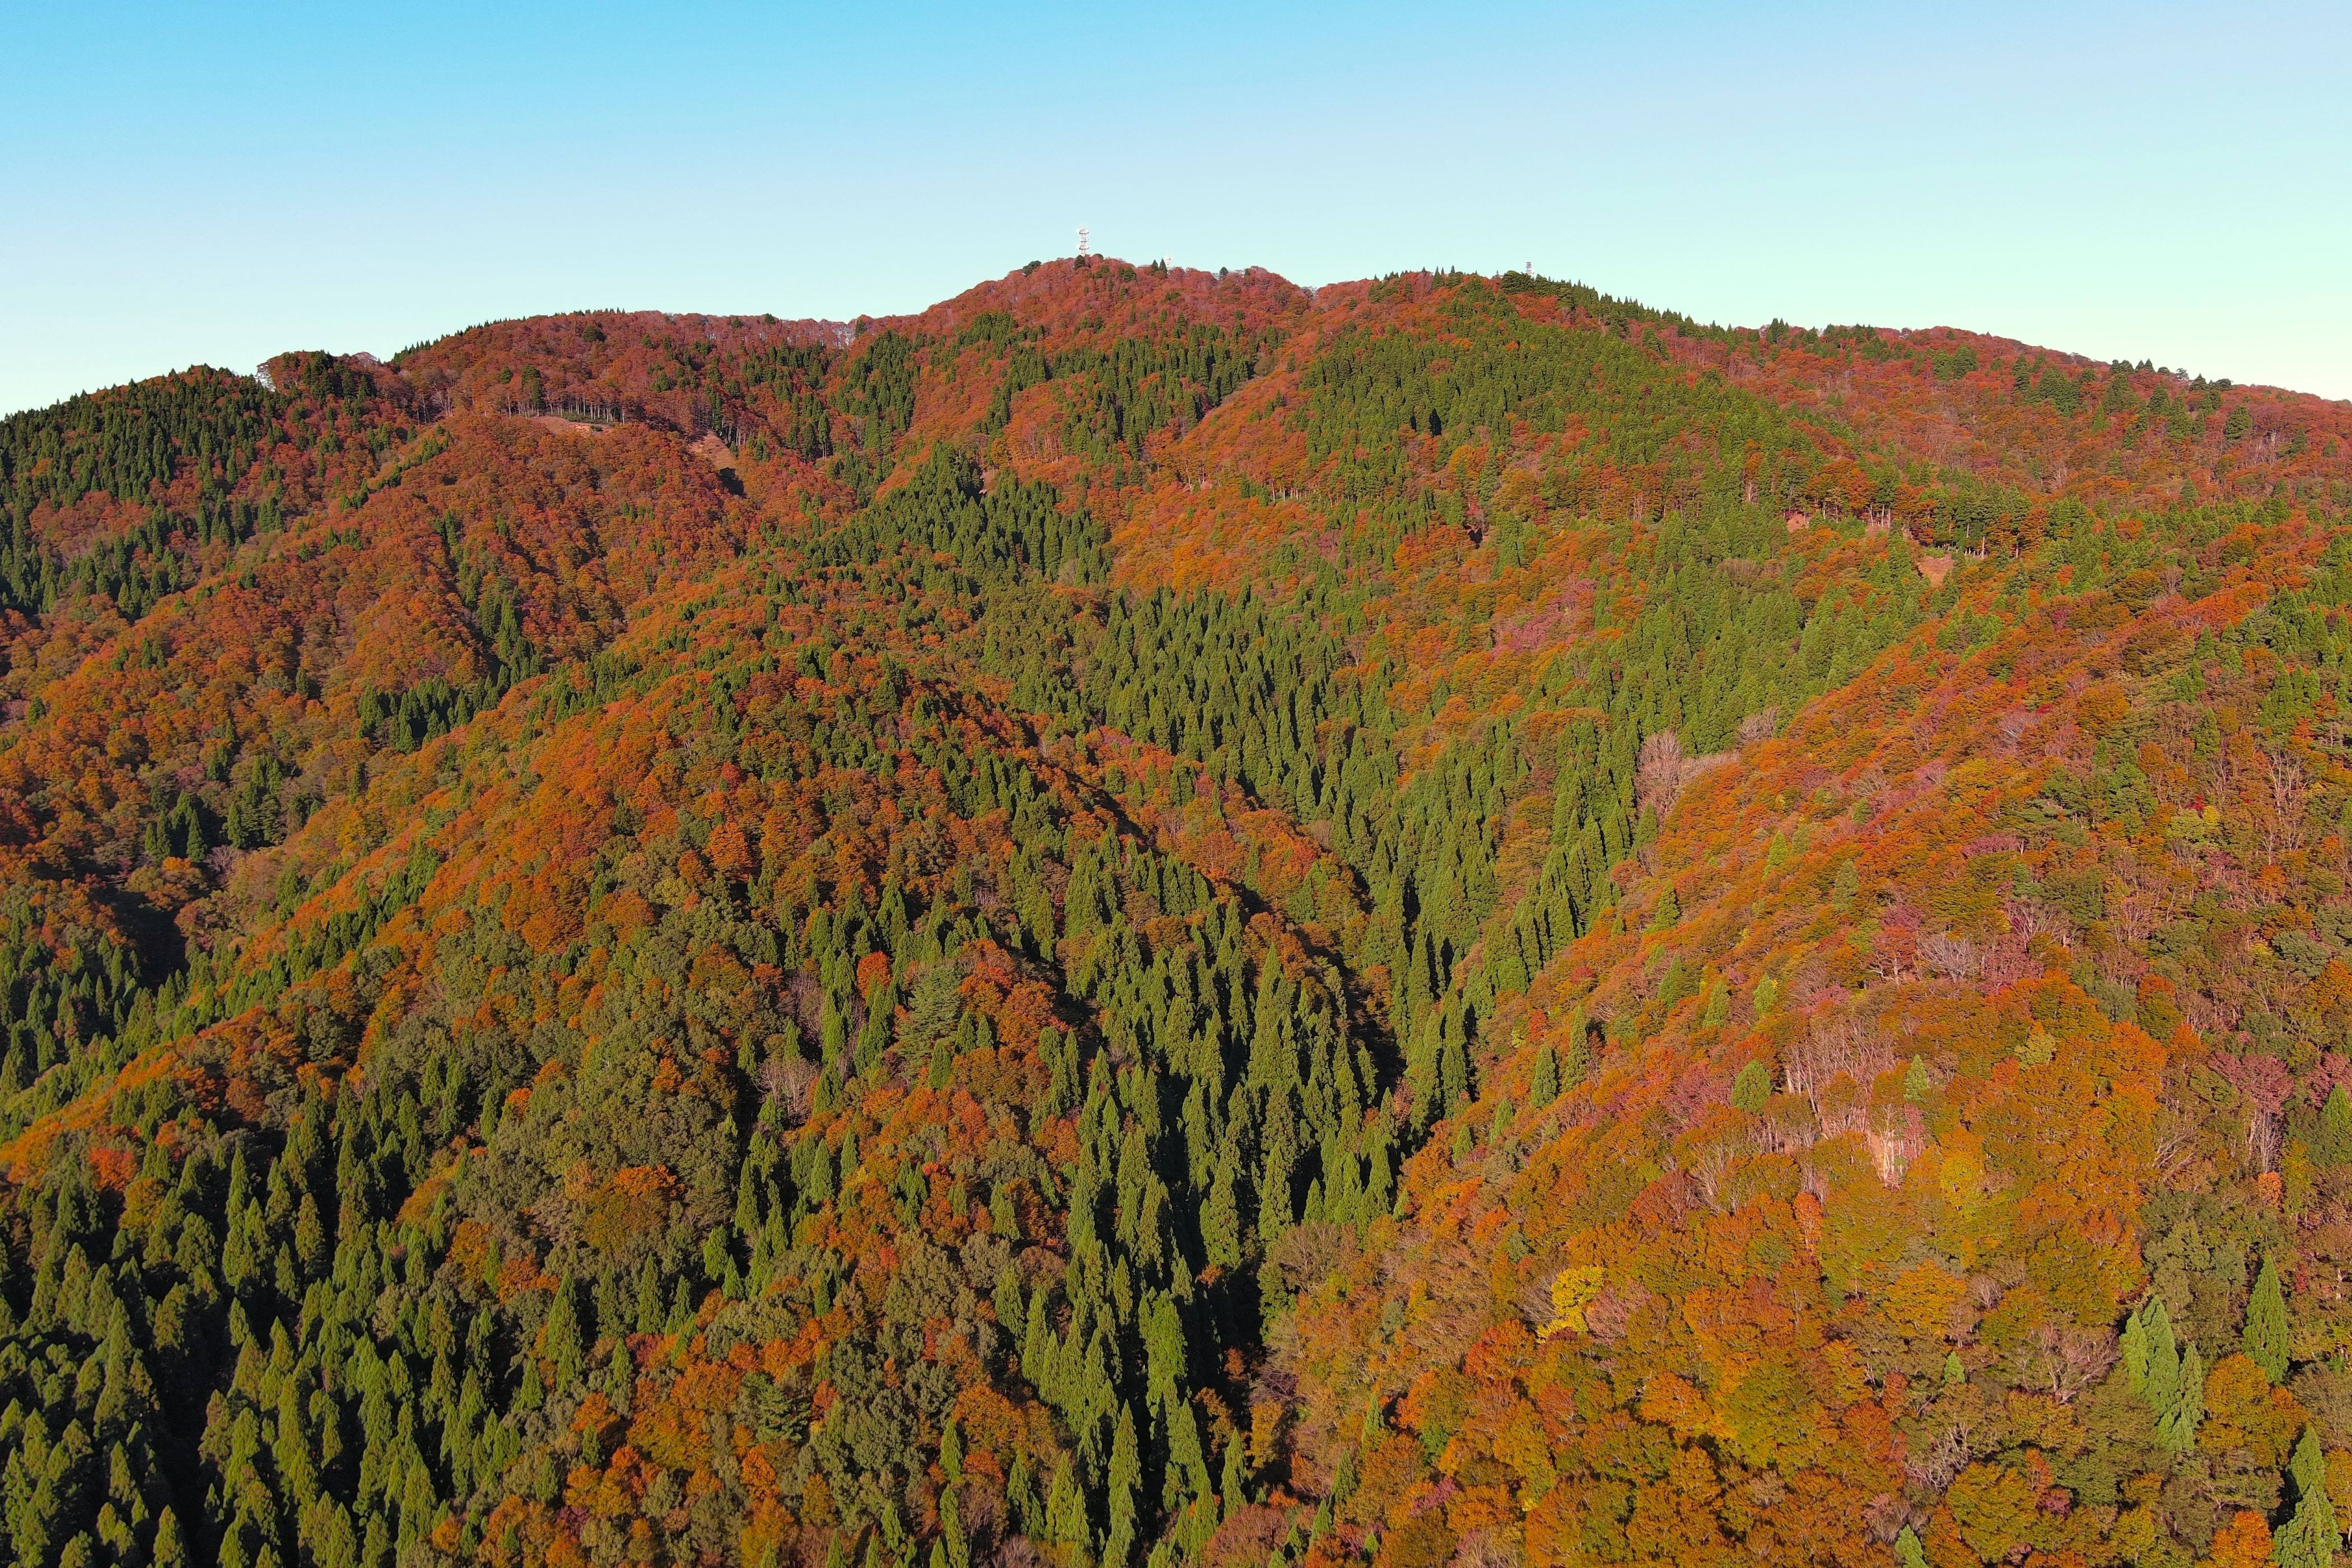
1234	1485
565	1347
2134	1348
1917	1082
1545	1086
2332	1146
1221	1225
2308	1539
1123	1484
952	1538
1577	1060
2177	1428
2265	1337
952	1453
2160	1384
169	1551
1066	1510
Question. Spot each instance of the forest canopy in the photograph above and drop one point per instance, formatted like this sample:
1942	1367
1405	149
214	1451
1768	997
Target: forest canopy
1152	919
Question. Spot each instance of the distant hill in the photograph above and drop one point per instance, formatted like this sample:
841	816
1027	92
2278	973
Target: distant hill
1149	918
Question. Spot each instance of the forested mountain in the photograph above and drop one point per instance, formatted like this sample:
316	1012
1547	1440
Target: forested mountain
1156	919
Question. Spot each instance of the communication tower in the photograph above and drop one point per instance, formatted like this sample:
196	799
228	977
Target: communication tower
1085	245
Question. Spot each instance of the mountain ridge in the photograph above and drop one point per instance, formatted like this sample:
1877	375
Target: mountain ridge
1156	919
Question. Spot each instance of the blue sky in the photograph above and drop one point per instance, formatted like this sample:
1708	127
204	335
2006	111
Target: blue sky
186	183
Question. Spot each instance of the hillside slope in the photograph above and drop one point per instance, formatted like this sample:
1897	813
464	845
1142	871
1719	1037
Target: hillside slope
1151	918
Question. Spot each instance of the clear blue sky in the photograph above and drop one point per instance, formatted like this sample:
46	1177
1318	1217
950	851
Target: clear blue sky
186	183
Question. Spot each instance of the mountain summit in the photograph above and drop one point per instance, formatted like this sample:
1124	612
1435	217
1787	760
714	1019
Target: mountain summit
1157	918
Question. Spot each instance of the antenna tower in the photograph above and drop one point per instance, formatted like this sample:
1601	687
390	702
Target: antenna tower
1085	245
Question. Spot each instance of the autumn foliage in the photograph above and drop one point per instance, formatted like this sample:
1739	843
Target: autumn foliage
1152	918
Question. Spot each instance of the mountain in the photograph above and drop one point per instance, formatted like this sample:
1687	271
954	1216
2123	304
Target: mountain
1158	918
